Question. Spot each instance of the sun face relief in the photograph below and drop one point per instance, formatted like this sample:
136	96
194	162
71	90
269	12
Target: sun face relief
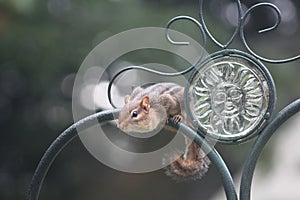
228	98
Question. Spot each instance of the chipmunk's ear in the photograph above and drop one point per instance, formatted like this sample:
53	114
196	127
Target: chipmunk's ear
126	99
145	103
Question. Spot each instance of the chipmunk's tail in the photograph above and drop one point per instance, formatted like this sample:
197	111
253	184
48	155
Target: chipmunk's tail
191	165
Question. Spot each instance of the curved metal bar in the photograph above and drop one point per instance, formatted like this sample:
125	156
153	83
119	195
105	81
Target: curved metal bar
58	145
147	70
198	24
224	46
248	171
276	9
70	133
243	38
215	157
159	72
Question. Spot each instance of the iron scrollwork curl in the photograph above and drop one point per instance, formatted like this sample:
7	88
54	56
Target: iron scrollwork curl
277	22
210	35
239	29
195	21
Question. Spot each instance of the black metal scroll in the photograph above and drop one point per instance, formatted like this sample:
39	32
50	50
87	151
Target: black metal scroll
239	29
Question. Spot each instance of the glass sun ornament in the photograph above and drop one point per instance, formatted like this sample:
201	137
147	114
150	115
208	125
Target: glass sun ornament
231	96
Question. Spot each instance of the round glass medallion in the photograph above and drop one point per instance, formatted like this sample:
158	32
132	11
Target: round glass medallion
230	97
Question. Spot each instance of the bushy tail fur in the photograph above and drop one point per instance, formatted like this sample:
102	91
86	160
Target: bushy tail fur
191	165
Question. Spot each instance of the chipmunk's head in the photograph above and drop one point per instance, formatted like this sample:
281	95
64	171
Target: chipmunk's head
138	116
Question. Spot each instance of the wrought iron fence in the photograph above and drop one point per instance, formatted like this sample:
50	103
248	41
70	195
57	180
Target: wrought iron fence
229	76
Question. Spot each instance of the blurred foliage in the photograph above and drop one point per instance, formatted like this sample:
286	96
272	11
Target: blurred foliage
42	44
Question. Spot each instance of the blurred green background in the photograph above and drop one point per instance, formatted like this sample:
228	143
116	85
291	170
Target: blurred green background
42	45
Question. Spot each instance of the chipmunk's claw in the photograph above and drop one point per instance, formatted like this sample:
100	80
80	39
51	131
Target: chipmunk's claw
177	118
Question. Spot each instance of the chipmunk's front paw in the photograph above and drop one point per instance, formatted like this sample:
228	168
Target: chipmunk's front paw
177	118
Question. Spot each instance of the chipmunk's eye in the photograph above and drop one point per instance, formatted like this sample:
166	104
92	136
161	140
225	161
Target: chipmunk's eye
134	114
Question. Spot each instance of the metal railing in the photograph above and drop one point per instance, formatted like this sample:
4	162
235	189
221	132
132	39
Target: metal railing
266	125
245	185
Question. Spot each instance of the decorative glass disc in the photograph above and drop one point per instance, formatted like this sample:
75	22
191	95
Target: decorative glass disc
229	97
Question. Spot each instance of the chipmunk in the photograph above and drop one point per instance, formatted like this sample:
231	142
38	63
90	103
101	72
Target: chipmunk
148	109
